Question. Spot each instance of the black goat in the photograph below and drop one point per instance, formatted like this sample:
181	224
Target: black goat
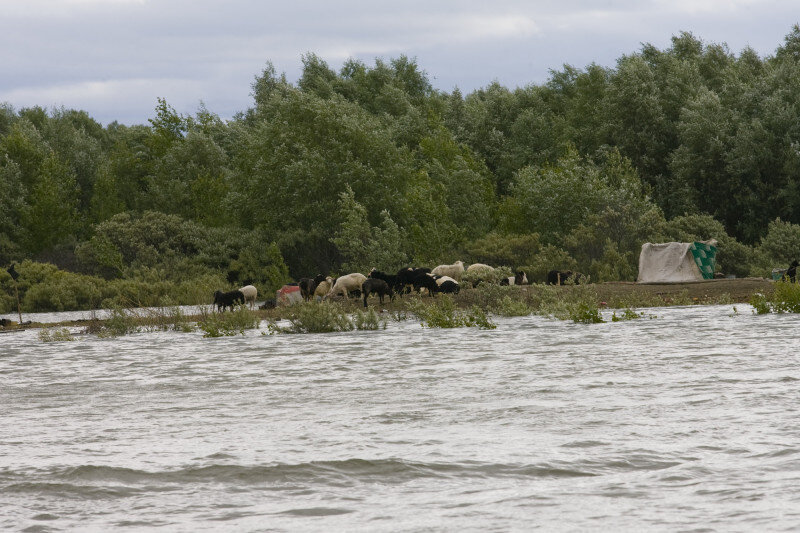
227	299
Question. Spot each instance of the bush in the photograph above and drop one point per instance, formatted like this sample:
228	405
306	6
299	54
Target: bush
443	313
228	324
784	299
55	335
312	317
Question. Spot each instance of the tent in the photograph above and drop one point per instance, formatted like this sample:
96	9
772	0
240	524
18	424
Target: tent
672	262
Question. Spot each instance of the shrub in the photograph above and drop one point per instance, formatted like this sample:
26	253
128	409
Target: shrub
784	299
228	324
55	335
443	313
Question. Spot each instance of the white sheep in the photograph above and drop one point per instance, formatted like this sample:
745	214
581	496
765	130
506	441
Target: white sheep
250	293
347	284
454	271
323	288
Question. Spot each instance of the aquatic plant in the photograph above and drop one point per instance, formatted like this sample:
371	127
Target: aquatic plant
228	324
312	317
626	314
585	313
368	320
444	313
55	335
784	299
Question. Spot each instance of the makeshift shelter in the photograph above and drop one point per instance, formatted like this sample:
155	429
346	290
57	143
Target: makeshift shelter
673	262
288	295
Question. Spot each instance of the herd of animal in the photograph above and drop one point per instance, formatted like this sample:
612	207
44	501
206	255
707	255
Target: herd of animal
446	279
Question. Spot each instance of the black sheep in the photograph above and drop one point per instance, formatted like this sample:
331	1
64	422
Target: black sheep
391	279
791	272
377	286
228	299
449	287
308	286
561	277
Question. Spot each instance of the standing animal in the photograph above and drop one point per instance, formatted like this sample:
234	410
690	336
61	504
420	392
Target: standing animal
323	287
250	293
407	277
519	278
228	299
447	285
454	271
791	272
479	272
309	285
561	277
346	284
377	286
391	279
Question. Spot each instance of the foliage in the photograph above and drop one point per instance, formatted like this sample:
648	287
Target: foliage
215	324
363	247
371	166
55	335
444	313
312	317
626	314
784	299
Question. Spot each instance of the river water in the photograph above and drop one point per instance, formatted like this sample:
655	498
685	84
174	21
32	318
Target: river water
683	422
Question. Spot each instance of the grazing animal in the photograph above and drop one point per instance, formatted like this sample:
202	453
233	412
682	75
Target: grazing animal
791	272
424	280
272	303
448	286
391	279
250	293
561	277
347	284
228	299
376	286
309	285
519	278
408	276
454	271
479	272
323	287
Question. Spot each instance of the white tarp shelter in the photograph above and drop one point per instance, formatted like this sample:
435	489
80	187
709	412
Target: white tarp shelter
673	262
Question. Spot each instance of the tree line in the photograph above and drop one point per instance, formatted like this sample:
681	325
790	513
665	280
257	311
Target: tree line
370	166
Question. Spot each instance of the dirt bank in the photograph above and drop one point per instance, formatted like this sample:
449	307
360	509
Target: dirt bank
709	291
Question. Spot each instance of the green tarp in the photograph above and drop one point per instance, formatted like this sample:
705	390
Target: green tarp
705	256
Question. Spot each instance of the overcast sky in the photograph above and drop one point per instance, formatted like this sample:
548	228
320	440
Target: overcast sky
114	58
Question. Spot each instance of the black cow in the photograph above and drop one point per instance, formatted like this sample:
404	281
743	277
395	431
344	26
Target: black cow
228	299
